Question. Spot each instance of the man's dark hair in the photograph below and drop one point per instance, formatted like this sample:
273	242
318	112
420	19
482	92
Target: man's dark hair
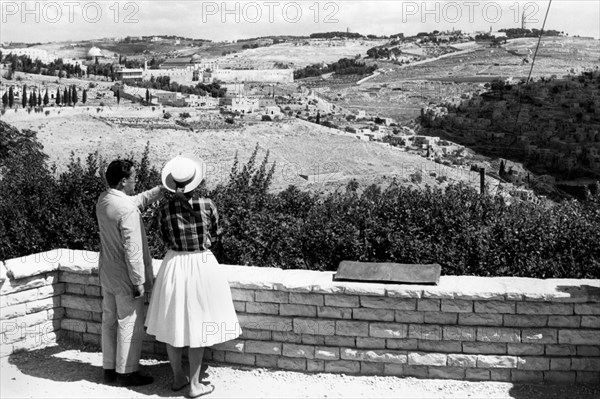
117	170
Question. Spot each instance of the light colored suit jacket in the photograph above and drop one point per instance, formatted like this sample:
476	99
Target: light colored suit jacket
125	259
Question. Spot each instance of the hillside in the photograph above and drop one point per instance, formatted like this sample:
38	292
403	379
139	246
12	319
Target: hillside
551	125
327	157
299	148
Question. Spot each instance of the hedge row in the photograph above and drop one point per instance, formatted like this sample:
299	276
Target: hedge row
467	233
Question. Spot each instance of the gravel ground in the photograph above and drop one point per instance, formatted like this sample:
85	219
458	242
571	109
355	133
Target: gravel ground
45	373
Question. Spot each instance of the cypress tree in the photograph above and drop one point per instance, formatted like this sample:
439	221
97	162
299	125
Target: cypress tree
58	96
11	97
46	98
118	96
84	96
5	99
24	97
39	98
66	97
74	96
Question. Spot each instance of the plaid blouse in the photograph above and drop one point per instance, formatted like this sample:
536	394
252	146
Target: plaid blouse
182	231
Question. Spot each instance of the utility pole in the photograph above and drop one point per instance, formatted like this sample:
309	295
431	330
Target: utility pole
481	181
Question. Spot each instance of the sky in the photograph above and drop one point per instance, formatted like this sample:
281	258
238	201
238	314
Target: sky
71	20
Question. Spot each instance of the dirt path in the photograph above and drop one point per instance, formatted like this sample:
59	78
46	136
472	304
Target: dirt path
68	372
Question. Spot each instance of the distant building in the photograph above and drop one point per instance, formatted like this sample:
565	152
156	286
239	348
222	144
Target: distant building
129	74
243	105
250	75
42	55
95	52
271	110
167	98
33	53
181	63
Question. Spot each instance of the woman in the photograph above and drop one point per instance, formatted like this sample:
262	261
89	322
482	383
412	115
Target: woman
191	304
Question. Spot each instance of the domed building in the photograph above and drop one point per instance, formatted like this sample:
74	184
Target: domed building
95	52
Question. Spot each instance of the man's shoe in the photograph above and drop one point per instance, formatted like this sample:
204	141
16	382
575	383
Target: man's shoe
110	376
134	379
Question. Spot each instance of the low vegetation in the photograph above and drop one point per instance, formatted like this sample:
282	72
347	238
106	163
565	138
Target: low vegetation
467	233
344	66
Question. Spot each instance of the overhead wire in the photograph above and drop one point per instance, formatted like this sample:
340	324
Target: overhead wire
532	64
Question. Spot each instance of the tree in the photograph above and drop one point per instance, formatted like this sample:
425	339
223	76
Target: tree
502	171
32	99
147	96
24	97
57	96
11	97
118	94
74	96
39	99
5	99
46	98
66	97
84	96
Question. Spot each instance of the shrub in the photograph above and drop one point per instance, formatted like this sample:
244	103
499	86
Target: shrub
46	210
465	232
167	115
266	118
416	177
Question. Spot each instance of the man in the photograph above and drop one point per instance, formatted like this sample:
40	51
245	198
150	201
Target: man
125	269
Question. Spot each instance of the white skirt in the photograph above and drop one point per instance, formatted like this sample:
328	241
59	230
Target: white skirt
191	302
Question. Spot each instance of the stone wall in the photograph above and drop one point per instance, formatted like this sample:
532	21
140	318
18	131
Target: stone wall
253	75
473	328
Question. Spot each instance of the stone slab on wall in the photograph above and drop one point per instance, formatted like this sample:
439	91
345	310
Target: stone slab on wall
472	328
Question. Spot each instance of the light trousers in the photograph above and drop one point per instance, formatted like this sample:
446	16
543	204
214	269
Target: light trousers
122	332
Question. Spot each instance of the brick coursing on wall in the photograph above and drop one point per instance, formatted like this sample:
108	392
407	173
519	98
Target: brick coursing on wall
471	328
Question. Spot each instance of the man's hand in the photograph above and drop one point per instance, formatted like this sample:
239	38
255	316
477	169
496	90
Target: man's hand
138	291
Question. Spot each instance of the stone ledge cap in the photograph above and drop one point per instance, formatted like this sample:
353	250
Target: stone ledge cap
34	264
79	261
293	280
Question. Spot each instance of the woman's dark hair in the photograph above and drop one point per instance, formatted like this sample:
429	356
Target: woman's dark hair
117	170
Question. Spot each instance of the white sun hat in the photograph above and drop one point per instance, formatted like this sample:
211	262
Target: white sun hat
183	173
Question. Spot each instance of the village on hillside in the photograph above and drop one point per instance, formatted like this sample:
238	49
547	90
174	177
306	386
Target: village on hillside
556	131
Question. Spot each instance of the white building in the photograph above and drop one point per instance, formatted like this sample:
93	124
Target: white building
126	74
